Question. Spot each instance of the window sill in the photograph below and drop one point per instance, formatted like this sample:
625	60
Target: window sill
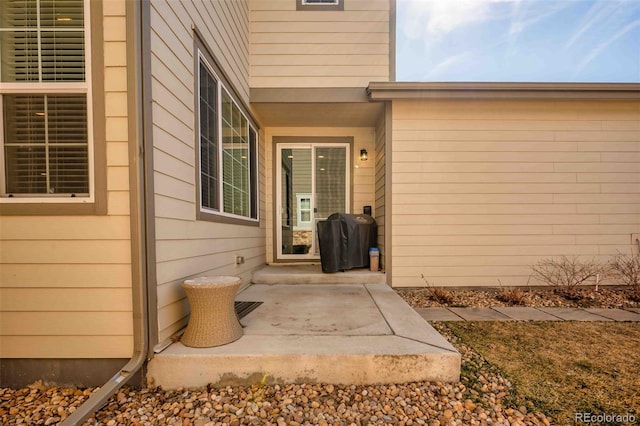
51	208
228	219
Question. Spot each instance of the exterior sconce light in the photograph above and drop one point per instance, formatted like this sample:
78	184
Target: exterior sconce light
363	155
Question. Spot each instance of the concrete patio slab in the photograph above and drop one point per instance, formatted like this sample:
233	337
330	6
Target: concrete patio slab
523	313
404	321
340	334
479	314
573	314
437	314
312	274
309	309
615	314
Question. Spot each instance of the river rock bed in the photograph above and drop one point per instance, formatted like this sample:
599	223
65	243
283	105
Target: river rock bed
482	397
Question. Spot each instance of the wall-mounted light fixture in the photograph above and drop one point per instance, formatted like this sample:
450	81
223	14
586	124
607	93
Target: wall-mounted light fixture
363	154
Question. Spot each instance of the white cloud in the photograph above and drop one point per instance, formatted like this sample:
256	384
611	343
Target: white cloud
431	19
529	13
440	38
599	12
602	46
436	71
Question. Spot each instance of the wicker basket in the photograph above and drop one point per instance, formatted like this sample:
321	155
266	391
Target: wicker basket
213	320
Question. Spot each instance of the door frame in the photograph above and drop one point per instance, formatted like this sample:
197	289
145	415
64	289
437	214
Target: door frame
292	142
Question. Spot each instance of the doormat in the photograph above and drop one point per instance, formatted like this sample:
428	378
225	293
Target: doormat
245	308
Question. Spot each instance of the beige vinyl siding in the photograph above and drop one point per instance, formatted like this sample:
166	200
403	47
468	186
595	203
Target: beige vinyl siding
297	48
362	178
186	247
482	189
65	281
379	183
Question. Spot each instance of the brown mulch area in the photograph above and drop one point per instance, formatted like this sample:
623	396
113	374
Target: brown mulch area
586	297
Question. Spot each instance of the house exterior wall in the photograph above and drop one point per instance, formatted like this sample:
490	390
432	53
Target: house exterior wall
379	183
483	189
65	280
187	247
363	192
319	48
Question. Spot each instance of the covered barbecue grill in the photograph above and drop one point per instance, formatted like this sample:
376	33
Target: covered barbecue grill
345	240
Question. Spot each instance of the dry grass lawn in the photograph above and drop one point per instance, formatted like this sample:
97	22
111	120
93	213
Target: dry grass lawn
564	367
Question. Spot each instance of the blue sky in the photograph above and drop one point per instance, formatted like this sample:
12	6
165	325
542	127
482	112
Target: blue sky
518	40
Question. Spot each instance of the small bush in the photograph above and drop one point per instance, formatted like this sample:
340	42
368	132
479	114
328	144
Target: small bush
626	269
438	294
568	274
511	295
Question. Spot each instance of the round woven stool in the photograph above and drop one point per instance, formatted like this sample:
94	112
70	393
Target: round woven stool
213	320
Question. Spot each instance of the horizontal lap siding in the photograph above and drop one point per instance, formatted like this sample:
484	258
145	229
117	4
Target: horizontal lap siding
379	184
187	247
484	189
298	48
65	281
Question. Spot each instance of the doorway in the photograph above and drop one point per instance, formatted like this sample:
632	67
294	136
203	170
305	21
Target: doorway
312	182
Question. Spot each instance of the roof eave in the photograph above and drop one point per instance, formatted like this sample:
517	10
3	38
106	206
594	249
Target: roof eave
382	91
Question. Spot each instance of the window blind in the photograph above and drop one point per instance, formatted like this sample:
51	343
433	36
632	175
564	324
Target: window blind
48	46
46	144
208	139
45	136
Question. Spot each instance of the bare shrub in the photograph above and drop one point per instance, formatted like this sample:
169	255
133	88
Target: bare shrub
511	295
438	294
567	273
626	269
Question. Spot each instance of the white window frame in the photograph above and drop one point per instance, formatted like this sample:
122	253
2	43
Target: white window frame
314	253
302	225
317	3
53	88
220	210
334	5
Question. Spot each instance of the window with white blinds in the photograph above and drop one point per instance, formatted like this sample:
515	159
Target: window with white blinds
44	96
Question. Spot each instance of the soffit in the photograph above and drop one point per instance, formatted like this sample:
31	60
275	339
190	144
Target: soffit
318	114
314	107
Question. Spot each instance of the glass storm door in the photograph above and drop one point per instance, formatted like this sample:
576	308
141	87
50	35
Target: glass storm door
313	183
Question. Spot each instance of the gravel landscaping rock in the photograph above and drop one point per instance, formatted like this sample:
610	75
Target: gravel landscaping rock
482	397
604	297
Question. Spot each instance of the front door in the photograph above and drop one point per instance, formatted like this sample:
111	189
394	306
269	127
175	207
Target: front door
313	183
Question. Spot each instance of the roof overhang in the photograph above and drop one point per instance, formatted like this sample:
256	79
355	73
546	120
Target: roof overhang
314	107
384	91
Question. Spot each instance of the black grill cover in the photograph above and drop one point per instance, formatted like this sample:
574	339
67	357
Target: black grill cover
344	241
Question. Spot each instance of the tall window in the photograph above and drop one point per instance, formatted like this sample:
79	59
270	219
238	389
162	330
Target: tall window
44	85
228	163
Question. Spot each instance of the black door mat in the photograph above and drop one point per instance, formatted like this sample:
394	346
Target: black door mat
245	308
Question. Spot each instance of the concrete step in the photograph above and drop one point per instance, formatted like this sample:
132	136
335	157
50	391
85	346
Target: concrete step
312	274
338	334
